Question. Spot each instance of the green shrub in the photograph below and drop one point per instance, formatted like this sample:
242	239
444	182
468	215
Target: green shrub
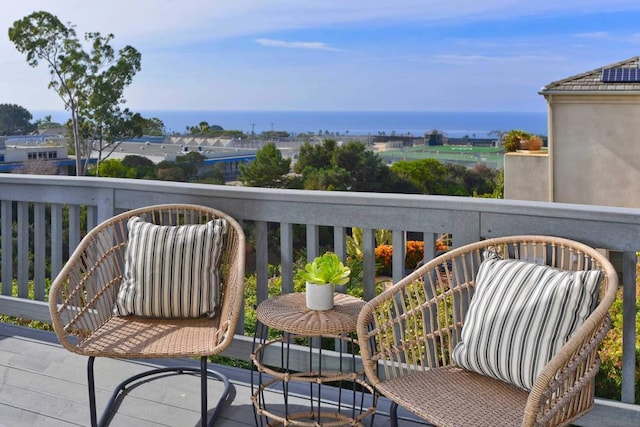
609	378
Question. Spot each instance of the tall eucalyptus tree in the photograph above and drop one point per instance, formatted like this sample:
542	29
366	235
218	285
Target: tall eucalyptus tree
89	82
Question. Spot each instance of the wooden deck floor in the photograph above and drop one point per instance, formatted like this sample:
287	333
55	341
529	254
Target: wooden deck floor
42	384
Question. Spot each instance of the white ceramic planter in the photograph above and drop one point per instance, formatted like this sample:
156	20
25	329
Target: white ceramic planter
319	297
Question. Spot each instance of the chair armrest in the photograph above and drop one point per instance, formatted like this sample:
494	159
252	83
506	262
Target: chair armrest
83	294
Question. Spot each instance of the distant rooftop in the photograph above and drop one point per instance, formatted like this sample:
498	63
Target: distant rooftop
592	81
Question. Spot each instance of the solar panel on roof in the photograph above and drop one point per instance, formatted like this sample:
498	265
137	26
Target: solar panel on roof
621	75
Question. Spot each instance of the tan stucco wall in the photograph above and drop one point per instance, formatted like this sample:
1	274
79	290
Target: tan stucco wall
526	176
595	144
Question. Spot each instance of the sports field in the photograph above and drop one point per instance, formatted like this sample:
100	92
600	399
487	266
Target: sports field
465	155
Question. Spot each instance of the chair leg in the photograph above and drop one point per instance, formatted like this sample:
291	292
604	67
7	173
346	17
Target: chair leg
393	414
92	392
203	391
123	388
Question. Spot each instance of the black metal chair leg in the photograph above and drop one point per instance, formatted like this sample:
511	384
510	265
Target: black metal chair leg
92	392
393	414
203	391
136	380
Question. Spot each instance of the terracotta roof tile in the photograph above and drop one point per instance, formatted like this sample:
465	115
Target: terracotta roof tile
590	81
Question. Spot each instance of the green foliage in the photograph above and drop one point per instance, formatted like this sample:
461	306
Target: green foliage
112	168
331	179
204	128
350	167
36	324
427	175
47	123
463	181
212	175
511	140
136	125
268	170
609	378
326	268
191	157
315	156
15	120
184	169
144	167
368	171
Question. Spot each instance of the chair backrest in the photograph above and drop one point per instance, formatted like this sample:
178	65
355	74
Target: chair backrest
428	307
83	294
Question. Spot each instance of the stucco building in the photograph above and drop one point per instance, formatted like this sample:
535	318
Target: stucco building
594	142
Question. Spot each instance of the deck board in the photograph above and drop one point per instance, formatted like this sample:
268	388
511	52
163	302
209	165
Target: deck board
42	384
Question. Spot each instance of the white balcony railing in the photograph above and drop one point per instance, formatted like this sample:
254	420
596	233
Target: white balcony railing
35	244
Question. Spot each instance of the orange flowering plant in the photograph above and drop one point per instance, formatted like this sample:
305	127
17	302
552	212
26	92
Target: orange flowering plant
383	258
414	254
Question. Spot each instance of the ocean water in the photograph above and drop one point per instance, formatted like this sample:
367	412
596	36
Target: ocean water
453	124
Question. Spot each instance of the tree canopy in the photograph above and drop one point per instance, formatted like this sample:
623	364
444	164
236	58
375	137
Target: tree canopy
426	174
269	169
350	167
15	120
205	129
90	83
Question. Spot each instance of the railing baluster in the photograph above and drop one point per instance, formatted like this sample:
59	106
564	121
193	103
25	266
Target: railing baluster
23	249
340	248
74	227
39	250
313	241
399	243
262	266
56	239
286	256
6	232
369	261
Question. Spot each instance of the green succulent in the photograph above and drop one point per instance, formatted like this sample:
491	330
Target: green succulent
326	268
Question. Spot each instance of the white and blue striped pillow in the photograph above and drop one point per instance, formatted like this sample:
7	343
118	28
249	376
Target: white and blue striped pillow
520	315
171	271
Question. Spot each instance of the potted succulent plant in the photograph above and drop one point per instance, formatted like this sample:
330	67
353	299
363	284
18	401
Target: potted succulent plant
321	275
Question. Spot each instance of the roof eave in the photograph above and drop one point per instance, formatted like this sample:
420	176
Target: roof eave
588	92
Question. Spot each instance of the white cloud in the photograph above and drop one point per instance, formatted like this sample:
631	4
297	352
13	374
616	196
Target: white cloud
184	63
182	21
297	45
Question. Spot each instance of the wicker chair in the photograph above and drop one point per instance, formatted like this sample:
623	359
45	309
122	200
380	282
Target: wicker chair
407	335
83	295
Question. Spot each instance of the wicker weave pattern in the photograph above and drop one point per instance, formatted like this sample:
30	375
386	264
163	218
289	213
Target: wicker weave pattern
82	296
408	332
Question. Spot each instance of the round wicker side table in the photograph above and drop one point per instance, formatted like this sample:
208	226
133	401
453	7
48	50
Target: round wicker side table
288	314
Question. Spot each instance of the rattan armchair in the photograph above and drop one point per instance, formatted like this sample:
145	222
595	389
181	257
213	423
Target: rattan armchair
83	295
407	335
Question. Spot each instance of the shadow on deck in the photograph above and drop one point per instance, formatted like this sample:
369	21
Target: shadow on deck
42	384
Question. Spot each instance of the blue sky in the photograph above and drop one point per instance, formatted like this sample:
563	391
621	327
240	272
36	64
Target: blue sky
404	55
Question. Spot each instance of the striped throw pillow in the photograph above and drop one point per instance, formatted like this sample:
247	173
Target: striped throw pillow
520	315
171	271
